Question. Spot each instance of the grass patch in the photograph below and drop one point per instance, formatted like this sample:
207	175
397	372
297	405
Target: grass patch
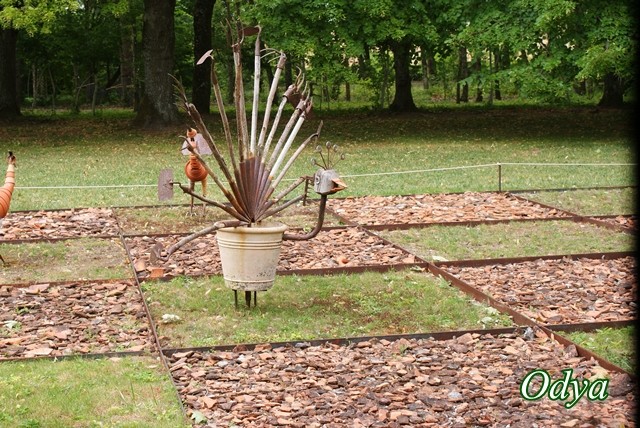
314	307
589	202
615	345
514	239
128	392
66	260
110	151
177	219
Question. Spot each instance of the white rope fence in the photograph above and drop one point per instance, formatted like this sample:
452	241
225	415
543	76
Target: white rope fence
499	165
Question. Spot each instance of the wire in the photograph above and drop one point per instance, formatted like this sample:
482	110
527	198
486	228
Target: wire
373	174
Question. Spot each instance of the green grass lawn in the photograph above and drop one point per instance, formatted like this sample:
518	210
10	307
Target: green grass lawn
589	202
107	150
67	152
514	239
314	307
123	392
67	260
616	345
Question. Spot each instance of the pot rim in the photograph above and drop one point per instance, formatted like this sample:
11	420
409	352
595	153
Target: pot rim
257	228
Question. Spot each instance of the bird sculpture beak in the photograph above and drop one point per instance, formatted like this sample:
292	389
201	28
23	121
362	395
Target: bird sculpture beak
339	185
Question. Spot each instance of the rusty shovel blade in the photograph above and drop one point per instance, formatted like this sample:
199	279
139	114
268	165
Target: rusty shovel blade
165	188
155	252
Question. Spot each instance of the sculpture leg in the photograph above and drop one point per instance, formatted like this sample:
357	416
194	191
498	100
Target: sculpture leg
204	194
192	186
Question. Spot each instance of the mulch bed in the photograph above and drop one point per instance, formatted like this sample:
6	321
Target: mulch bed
343	247
74	223
175	219
74	318
626	221
438	208
472	380
560	291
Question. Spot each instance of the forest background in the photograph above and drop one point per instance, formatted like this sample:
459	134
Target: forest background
363	54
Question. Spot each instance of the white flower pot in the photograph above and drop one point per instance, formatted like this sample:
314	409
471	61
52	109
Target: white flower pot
249	255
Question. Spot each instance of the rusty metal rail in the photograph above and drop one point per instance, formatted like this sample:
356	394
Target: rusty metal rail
466	223
579	217
444	335
152	326
509	260
554	331
66	282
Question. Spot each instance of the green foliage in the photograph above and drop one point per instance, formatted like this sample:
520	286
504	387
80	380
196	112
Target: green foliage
34	16
609	40
547	47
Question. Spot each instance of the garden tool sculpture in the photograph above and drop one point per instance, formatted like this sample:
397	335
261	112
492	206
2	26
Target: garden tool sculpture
194	169
6	191
248	177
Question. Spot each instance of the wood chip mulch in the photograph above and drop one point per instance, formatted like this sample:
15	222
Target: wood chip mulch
438	208
74	318
343	247
74	223
560	291
472	380
626	221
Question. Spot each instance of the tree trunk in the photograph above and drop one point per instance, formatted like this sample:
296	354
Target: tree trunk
491	87
34	86
424	63
202	14
288	73
613	92
385	78
53	90
498	67
462	90
157	106
127	61
477	68
9	102
364	63
403	99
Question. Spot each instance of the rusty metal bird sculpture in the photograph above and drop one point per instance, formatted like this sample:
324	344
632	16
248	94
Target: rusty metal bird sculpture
194	169
6	191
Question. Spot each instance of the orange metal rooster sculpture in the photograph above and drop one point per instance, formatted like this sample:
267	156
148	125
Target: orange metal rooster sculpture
194	170
6	191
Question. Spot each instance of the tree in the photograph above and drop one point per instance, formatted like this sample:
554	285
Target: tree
38	18
609	34
326	33
403	99
401	26
157	106
202	14
9	102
